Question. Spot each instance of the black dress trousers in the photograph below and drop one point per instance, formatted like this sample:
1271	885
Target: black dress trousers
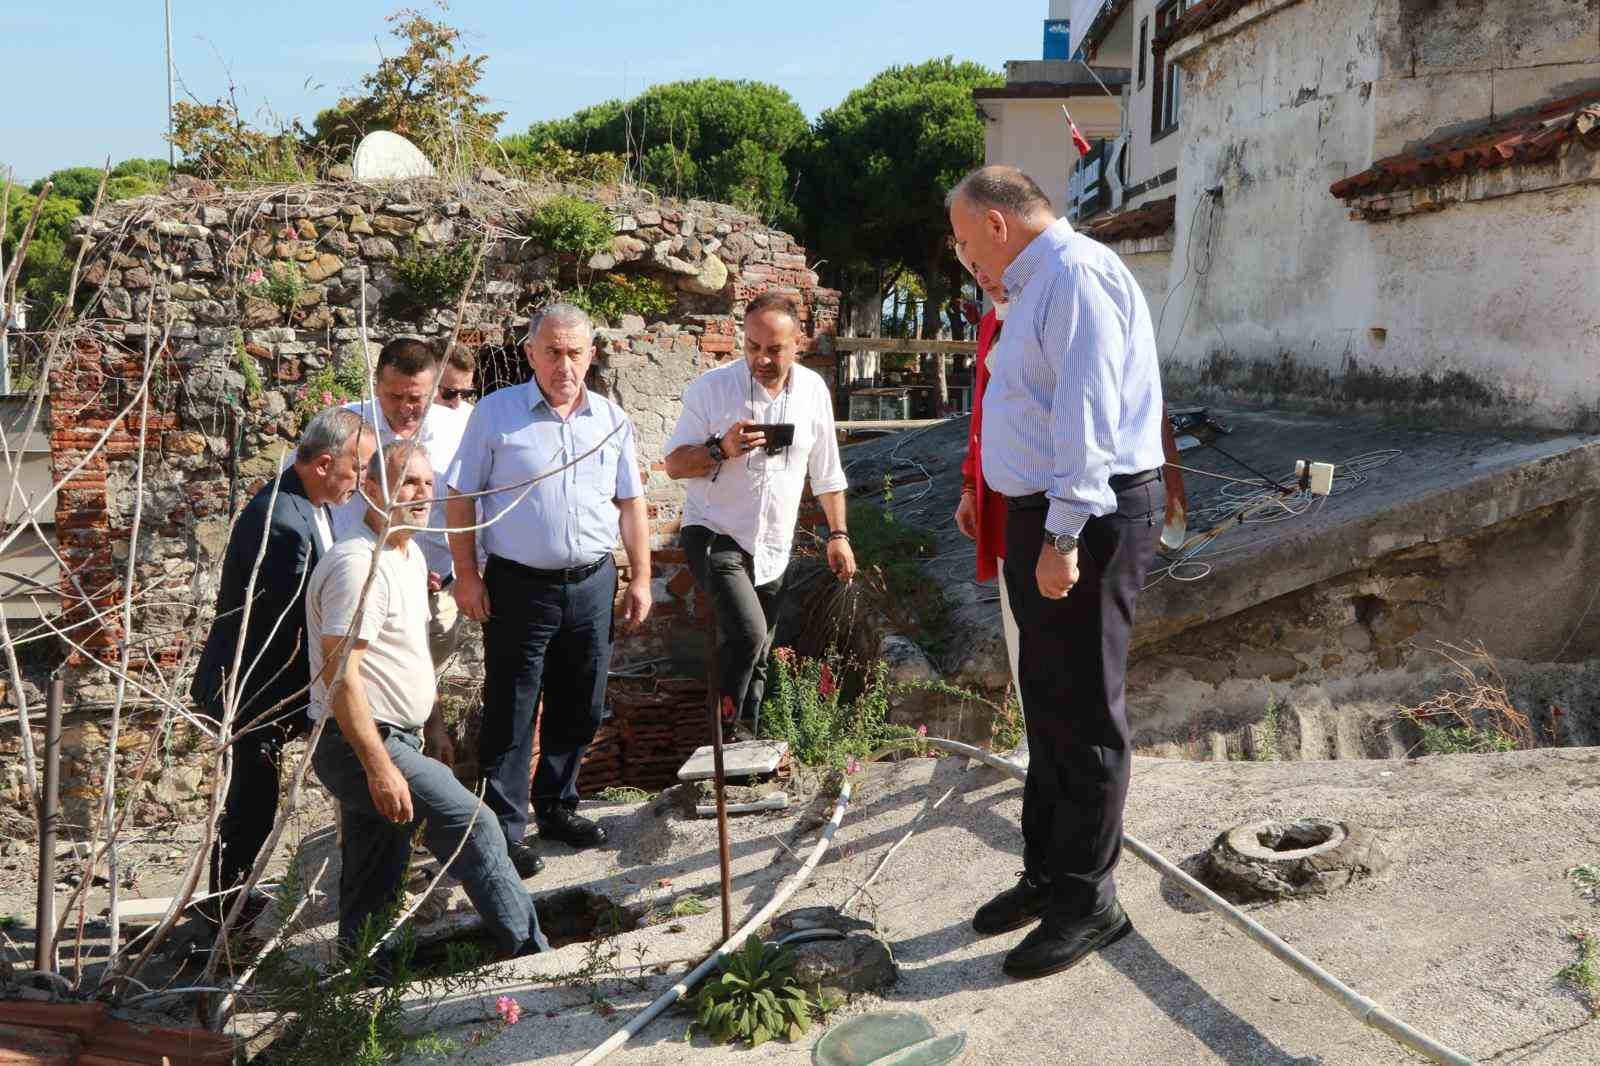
1073	657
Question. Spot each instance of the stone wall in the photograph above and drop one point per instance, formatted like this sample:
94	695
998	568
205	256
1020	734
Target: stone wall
238	375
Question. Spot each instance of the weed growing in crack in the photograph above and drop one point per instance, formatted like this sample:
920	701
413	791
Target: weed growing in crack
1586	879
689	906
1583	975
1476	717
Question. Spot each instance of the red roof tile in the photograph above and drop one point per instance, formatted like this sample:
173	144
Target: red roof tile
1525	138
1149	220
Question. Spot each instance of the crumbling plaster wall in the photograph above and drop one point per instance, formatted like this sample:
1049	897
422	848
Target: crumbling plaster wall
1491	304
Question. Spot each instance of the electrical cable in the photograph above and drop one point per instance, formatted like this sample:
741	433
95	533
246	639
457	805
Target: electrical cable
1258	506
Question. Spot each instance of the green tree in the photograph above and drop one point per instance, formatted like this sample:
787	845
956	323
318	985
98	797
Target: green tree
875	170
427	93
42	279
711	137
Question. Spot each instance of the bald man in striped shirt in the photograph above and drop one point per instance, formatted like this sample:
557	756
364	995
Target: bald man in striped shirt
1072	439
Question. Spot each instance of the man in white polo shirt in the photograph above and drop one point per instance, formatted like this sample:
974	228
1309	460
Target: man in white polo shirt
372	671
744	490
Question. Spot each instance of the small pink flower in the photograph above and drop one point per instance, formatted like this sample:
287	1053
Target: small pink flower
510	1010
255	277
852	767
922	730
327	398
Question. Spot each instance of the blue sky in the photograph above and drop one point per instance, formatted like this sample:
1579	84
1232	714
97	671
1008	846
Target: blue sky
85	80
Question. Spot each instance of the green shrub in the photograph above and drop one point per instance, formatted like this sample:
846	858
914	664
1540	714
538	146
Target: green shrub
333	383
280	287
805	706
247	366
432	279
571	225
549	160
616	295
754	997
894	550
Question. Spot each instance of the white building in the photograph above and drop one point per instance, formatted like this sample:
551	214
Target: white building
1374	202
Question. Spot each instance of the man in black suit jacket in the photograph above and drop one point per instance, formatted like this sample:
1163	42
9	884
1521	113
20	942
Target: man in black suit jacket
273	671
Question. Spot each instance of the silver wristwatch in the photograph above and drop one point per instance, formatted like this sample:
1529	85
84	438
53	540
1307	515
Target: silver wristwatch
1065	543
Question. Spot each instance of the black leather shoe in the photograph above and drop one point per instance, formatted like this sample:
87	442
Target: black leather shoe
1014	908
570	827
1061	943
525	858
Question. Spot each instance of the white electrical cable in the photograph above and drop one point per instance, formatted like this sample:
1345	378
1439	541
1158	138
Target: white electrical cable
1367	1011
1252	504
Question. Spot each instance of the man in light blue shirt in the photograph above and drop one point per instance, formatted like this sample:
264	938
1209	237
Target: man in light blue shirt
1072	439
559	480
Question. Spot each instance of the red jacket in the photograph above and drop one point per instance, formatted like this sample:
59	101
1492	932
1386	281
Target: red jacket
991	506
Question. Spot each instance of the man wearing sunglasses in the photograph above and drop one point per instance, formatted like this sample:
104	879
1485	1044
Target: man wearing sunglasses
456	388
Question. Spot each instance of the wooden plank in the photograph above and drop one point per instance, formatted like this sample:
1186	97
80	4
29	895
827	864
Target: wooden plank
910	344
22	1045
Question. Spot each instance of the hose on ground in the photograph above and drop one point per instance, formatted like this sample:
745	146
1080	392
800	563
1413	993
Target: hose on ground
1363	1008
695	976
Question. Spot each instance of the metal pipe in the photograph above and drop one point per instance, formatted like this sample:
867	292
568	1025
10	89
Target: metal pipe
719	782
693	977
172	150
1363	1008
44	951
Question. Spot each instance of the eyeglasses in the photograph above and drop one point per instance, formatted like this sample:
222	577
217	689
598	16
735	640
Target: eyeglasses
448	394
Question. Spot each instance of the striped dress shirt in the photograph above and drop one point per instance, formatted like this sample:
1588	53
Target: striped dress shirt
1074	393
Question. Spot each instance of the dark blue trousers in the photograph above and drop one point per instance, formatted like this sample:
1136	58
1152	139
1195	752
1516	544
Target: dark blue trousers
1073	657
551	638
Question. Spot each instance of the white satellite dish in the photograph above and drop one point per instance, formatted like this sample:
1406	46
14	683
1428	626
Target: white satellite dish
385	156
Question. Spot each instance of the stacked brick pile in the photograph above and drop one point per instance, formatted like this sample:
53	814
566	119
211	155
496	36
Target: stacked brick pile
653	727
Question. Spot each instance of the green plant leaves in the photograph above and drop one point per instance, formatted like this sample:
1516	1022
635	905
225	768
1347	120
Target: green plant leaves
753	997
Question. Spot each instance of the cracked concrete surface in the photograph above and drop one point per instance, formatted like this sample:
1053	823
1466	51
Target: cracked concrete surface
1463	940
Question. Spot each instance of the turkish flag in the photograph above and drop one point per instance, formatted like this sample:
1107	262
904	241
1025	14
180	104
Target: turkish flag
1079	141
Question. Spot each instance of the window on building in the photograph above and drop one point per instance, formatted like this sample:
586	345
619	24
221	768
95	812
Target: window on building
1144	47
1165	101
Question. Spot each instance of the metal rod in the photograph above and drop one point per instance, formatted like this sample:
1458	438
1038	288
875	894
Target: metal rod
172	151
719	782
757	920
1363	1008
44	950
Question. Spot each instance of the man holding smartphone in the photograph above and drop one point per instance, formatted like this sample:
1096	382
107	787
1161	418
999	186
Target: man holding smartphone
750	433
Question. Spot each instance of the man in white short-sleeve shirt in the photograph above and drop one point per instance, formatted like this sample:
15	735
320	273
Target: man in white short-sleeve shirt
366	624
403	380
743	491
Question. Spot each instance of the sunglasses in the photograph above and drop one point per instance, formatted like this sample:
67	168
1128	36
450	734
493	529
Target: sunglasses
451	394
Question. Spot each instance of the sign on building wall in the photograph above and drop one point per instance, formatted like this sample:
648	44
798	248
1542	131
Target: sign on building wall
1057	39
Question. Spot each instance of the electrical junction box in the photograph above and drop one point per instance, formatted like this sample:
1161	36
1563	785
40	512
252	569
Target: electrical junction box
1321	479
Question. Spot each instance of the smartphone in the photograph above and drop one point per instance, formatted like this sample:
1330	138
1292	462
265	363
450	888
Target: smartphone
779	434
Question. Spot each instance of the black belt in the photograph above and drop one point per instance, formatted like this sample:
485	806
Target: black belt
1118	482
570	576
